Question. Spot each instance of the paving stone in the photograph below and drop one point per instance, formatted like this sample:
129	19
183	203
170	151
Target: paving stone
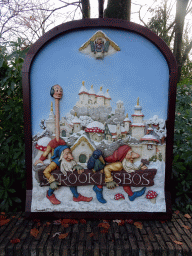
111	249
96	248
148	244
155	238
150	234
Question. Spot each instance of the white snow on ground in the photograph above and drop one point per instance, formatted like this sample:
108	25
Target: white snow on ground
40	203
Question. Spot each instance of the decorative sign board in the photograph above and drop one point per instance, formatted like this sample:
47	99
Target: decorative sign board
99	102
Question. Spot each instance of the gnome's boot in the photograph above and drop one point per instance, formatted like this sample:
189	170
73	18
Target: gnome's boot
99	194
137	194
78	197
52	197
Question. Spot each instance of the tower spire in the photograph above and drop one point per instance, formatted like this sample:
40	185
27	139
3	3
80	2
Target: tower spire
138	101
51	106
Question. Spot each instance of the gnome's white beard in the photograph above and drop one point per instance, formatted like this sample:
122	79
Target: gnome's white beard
67	166
128	166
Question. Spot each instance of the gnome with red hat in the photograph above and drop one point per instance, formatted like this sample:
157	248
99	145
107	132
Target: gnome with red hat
121	159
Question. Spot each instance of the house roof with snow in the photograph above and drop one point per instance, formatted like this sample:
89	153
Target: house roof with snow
107	94
85	139
149	137
95	127
119	101
83	89
137	125
76	120
127	119
92	91
100	93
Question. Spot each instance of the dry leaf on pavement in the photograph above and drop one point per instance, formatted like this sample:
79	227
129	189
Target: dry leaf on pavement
4	221
104	225
34	232
178	242
186	227
187	216
63	236
138	224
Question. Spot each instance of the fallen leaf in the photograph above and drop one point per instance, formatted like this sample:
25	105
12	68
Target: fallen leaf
65	221
121	223
186	227
74	221
34	232
104	225
15	241
138	224
38	224
48	224
4	222
3	213
82	221
178	242
13	217
187	216
91	234
63	236
129	221
163	221
177	212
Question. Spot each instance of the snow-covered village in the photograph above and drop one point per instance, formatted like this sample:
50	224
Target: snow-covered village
92	124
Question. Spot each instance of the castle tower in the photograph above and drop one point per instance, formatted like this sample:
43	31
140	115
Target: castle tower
120	109
127	123
100	98
76	124
118	129
50	122
137	126
83	94
107	99
92	96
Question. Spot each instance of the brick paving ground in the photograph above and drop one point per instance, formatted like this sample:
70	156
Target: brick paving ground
94	238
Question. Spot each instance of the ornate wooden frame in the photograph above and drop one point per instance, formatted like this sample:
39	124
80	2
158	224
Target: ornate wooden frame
87	24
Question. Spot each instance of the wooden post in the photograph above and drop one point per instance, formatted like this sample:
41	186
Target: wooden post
57	119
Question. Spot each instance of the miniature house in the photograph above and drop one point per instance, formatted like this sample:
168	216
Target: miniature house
76	124
50	122
138	127
127	123
65	128
82	150
95	131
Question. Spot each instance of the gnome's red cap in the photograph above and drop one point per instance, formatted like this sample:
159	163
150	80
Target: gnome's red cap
118	155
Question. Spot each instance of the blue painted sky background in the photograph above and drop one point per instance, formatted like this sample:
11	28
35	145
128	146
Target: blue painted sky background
138	70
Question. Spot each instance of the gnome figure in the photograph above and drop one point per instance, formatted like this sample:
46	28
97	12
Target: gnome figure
96	163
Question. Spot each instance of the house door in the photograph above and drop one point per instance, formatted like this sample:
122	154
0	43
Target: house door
63	133
82	158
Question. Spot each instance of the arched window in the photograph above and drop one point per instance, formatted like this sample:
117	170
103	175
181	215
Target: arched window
63	133
82	158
